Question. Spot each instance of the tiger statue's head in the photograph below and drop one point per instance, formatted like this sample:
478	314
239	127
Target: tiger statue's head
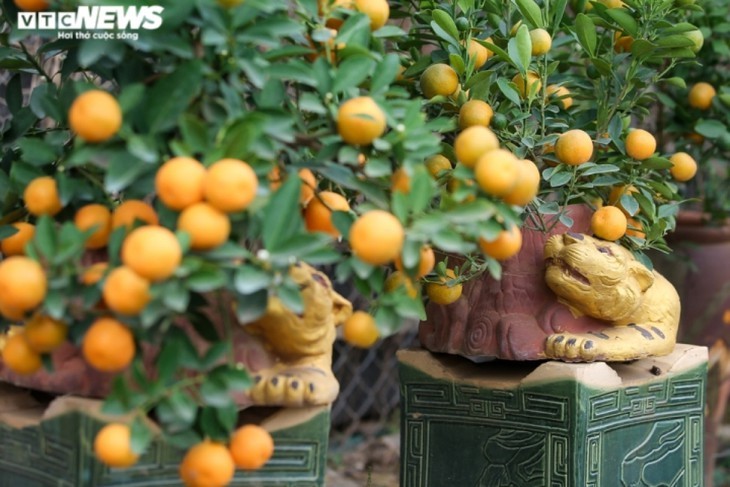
595	277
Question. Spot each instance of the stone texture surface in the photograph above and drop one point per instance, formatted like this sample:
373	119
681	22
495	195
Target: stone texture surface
523	424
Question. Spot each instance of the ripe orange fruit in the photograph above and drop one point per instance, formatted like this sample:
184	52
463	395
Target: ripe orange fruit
377	10
229	3
497	172
95	116
11	313
701	95
15	244
472	143
439	79
94	273
480	53
426	262
132	211
179	182
152	252
108	345
436	164
684	167
533	83
609	223
230	185
207	464
635	228
318	213
44	334
208	228
360	121
475	112
113	446
541	41
612	3
377	237
125	292
360	330
527	186
41	196
23	283
614	197
32	5
309	184
574	147
442	293
640	144
695	138
19	357
400	181
622	43
96	217
562	94
251	446
397	280
506	245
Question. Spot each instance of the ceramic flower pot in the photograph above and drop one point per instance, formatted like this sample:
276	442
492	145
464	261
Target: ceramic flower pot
510	318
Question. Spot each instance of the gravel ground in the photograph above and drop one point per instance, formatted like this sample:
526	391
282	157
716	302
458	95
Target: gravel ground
372	463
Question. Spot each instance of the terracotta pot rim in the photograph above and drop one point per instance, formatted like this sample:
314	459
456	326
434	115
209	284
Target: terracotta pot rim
694	226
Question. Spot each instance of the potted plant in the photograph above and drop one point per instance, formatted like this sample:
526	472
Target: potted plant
577	121
209	163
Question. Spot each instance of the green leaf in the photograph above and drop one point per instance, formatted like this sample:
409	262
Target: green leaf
141	435
676	81
242	135
599	169
523	48
214	392
227	416
457	62
211	425
177	411
45	240
674	41
250	279
624	20
250	307
642	48
385	73
531	12
290	295
351	72
629	203
657	163
123	170
36	151
214	354
282	218
446	26
208	278
509	91
170	96
585	29
712	129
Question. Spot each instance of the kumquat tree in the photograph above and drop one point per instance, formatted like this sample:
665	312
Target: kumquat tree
149	178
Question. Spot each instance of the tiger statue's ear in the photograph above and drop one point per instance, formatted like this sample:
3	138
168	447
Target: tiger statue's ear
643	276
341	308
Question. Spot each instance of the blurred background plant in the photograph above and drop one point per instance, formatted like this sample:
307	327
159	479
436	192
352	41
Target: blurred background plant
695	113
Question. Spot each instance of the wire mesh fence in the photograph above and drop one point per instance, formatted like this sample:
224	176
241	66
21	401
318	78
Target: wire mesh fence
369	387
